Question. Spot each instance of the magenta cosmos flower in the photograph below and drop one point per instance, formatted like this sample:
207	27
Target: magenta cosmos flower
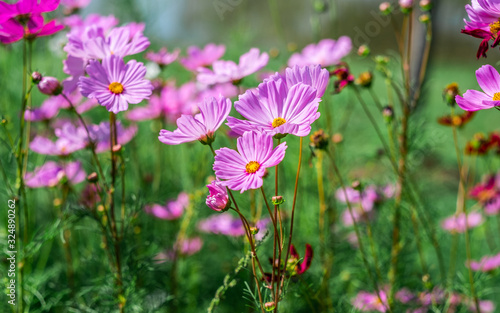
302	267
228	71
51	174
458	223
202	126
11	30
489	81
326	53
484	23
277	109
488	194
172	210
218	199
244	169
115	84
202	57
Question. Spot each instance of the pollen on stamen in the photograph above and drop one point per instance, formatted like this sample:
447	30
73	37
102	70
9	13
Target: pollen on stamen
495	27
115	88
278	122
252	167
496	96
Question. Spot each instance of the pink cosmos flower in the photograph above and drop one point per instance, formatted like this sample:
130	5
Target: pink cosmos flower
100	135
277	109
202	58
244	169
228	71
78	25
202	126
312	75
218	199
162	57
367	301
489	81
486	264
50	107
484	23
115	84
457	223
172	210
70	138
326	53
50	174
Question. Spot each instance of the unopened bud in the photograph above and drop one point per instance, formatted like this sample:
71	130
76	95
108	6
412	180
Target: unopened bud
364	79
50	86
269	306
424	18
277	200
363	51
425	5
92	177
274	53
320	6
381	60
356	185
385	8
116	148
36	77
449	94
254	230
388	113
406	6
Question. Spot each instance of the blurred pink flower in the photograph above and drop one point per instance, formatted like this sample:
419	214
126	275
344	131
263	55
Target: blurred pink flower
487	263
488	194
202	58
72	5
162	57
11	30
115	84
70	138
172	210
326	53
366	301
100	135
50	174
24	10
457	223
228	71
226	224
185	247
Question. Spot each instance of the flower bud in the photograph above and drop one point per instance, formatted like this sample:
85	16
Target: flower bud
363	51
277	200
385	8
320	6
50	86
319	140
36	77
218	199
449	94
92	177
425	5
406	6
388	113
337	138
116	148
269	306
424	18
356	185
364	79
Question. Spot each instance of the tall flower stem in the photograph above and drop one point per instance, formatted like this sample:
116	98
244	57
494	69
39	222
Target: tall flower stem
290	234
464	210
356	230
114	232
255	258
91	142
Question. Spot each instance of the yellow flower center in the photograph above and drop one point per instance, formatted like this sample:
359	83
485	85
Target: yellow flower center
496	96
116	88
252	167
278	122
495	27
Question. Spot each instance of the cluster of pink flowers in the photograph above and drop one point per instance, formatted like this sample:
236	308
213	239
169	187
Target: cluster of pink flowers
52	174
458	223
486	264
